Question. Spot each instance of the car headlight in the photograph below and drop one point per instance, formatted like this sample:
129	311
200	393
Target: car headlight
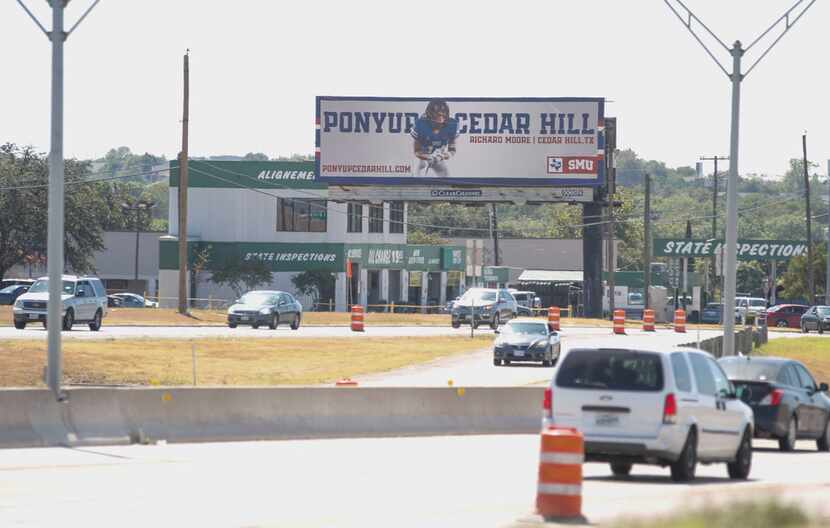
18	304
265	311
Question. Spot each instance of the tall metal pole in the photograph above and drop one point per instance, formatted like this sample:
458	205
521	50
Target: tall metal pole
137	209
56	196
811	285
827	275
495	226
183	184
715	189
730	274
647	243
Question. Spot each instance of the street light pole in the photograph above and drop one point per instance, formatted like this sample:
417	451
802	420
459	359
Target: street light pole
139	206
736	51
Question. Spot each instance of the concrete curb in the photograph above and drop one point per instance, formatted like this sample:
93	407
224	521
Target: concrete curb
117	416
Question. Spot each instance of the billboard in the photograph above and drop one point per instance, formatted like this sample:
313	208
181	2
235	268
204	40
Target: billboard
747	249
460	141
443	193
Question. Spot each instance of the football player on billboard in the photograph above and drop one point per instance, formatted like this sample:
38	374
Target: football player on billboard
434	136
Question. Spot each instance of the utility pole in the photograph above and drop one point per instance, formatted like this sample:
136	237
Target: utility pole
495	228
183	158
55	229
715	189
737	51
811	286
647	242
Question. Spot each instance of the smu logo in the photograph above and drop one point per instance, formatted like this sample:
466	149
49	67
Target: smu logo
572	165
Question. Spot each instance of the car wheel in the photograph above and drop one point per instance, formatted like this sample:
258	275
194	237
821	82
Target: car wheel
231	325
782	324
254	325
495	324
621	469
683	470
95	325
820	328
804	329
456	324
20	325
44	323
275	322
68	320
475	325
506	361
739	469
788	442
497	362
823	443
295	324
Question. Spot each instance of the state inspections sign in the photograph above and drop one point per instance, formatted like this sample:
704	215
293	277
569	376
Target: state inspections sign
460	141
747	249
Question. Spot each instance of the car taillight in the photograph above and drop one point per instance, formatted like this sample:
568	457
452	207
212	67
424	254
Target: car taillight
773	398
547	403
670	409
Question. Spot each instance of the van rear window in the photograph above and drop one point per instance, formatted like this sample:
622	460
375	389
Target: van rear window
611	369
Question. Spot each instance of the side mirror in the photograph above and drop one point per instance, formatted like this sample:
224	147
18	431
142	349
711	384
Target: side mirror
81	293
823	387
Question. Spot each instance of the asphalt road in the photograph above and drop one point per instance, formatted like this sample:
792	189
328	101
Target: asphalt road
481	481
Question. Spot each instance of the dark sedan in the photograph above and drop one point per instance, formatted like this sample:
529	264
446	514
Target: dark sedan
271	308
10	294
787	402
816	318
712	313
786	315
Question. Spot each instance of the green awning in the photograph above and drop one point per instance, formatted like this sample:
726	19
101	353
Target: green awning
546	276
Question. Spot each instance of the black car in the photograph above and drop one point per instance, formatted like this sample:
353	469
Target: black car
270	308
787	403
10	294
816	318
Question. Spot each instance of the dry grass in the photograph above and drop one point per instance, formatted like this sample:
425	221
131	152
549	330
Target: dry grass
769	514
282	361
814	352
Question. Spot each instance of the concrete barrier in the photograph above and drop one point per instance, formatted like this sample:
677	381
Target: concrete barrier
113	416
745	340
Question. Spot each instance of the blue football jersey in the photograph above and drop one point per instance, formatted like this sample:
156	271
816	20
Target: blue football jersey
431	140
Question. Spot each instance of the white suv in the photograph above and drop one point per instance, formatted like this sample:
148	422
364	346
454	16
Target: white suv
84	301
663	407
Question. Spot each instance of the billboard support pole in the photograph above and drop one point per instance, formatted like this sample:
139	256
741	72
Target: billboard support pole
827	276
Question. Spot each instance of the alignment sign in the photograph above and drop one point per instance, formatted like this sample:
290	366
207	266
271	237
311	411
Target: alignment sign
424	141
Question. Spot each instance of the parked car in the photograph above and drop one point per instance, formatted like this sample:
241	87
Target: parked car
5	283
133	300
712	313
786	315
748	308
84	301
787	402
10	294
816	318
484	305
271	308
527	303
451	304
666	407
526	340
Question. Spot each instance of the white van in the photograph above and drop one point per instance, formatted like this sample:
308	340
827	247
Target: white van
671	408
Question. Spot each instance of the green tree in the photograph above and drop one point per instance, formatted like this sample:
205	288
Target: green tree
241	276
416	236
24	209
314	283
794	280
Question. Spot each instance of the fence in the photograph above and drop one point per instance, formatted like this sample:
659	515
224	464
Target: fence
745	341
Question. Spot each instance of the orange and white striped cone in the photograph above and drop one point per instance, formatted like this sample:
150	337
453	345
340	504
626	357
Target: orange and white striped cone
357	318
559	490
619	322
680	321
553	318
648	320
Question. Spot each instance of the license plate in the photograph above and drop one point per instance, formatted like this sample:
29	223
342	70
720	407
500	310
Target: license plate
607	420
519	353
243	318
33	316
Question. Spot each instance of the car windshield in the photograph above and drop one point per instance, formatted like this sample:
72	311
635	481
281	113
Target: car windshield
478	296
625	370
823	310
43	286
749	370
526	328
714	306
9	289
757	302
255	298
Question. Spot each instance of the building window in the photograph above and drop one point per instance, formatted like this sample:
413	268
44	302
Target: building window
355	219
396	217
376	218
301	215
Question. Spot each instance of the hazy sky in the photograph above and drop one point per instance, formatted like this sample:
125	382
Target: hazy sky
256	67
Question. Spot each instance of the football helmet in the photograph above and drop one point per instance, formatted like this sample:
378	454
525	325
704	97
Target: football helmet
438	111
